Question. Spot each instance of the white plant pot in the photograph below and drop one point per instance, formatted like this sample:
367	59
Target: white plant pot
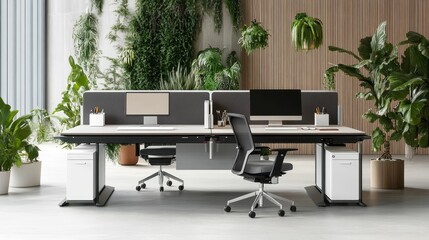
4	182
28	175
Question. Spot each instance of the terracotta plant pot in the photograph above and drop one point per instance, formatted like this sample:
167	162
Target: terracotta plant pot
387	174
127	155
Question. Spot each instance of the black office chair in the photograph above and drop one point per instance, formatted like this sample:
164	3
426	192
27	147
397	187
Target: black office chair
264	171
159	156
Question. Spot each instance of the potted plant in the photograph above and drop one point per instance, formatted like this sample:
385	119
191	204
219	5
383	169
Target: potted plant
306	32
70	106
253	37
265	153
127	154
42	130
379	59
14	134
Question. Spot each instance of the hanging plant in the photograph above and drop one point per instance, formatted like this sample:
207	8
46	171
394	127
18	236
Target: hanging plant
306	32
253	37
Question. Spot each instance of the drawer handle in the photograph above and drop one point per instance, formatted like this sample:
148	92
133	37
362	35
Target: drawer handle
80	163
346	163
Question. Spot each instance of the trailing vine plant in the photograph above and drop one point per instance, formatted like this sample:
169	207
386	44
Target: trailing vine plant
85	39
215	7
98	5
234	9
116	77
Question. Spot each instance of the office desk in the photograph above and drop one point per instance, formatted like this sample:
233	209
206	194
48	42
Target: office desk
111	134
198	134
322	135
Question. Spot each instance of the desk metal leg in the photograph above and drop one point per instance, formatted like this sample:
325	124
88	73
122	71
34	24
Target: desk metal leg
313	192
360	203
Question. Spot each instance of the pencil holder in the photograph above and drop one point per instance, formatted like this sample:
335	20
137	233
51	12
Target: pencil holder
96	119
321	119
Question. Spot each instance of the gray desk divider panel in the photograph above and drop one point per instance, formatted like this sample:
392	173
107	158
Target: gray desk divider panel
232	102
239	102
186	107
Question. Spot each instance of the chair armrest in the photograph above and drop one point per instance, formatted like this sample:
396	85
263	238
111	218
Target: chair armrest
258	150
278	162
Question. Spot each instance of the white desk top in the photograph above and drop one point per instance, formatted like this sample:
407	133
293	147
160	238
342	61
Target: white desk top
87	130
113	130
301	130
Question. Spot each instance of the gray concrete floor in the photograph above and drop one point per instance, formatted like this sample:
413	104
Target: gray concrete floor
197	212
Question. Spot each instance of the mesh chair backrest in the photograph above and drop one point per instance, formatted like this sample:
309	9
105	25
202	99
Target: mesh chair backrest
243	137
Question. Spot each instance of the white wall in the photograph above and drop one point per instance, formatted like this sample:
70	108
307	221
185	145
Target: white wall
61	17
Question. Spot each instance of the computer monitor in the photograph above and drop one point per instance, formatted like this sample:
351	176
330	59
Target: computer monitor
275	105
150	105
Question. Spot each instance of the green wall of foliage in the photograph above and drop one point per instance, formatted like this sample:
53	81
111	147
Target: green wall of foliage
163	36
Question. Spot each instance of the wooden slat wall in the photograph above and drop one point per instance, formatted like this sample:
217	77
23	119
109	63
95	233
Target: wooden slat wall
344	24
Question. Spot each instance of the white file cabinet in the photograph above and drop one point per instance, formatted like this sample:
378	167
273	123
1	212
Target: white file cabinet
80	172
342	173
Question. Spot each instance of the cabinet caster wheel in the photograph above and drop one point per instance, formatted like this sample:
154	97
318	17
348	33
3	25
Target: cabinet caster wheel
138	188
143	185
252	214
227	209
281	212
293	208
161	189
181	187
169	183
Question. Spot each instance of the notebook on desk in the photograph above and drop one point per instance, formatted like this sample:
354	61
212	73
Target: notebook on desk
145	128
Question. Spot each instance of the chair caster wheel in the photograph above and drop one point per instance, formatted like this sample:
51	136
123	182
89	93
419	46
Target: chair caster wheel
252	214
169	183
227	209
143	185
281	212
257	205
138	188
293	208
161	189
181	187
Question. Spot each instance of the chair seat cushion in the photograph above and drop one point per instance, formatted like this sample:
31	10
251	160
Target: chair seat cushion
258	167
160	161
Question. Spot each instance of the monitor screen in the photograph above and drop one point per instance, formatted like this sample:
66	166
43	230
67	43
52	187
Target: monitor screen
147	103
275	105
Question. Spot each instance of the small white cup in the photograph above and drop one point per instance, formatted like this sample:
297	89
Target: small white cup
96	119
321	119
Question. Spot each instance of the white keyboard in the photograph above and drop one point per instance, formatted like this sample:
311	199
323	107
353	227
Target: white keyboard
280	128
144	128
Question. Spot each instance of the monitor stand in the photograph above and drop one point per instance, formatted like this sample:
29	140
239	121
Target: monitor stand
278	125
275	123
150	121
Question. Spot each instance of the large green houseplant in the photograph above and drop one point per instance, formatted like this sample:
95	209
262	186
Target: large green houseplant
69	109
306	32
211	73
380	82
14	134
